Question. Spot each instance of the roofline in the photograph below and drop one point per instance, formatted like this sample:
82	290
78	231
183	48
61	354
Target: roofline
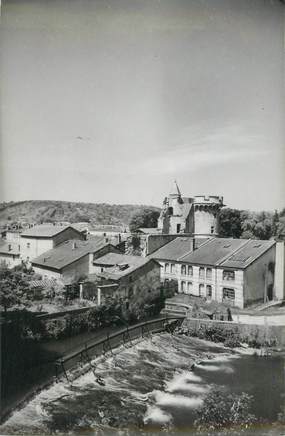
130	272
52	236
62	267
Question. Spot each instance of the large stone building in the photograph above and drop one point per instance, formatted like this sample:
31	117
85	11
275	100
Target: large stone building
132	279
235	271
72	259
198	216
41	238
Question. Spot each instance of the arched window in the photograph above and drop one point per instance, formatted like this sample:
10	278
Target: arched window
209	291
201	272
190	270
166	267
209	273
201	290
189	287
183	270
172	268
183	286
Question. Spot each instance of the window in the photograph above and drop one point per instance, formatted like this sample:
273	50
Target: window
189	287
201	289
183	270
28	245
228	275
212	229
172	268
130	279
166	267
183	286
209	273
209	291
190	270
178	228
228	294
130	292
102	269
201	272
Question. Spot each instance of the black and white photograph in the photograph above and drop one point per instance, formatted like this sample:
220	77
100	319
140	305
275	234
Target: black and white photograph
142	217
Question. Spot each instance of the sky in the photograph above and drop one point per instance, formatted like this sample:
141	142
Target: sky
112	100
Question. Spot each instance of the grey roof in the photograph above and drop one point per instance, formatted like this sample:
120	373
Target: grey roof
177	248
44	231
247	253
149	230
7	247
228	252
119	264
64	254
214	251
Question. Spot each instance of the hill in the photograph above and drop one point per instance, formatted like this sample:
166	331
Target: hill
38	211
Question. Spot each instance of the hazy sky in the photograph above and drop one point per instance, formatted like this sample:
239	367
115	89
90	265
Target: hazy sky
111	100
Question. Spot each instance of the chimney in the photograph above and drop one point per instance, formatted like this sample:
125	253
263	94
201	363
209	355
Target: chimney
74	245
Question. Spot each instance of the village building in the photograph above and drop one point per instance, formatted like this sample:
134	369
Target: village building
197	216
236	271
41	238
9	253
72	259
132	279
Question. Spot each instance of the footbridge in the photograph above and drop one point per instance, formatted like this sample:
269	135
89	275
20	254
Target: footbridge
92	349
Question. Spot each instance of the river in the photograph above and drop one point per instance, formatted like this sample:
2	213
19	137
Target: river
149	386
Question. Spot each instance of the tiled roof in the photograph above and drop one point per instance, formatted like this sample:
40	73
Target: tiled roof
64	254
247	253
120	264
227	252
213	251
175	249
44	231
4	247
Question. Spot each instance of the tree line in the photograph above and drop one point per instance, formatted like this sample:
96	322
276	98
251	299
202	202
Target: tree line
246	224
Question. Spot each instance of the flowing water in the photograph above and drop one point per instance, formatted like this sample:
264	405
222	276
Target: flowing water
150	386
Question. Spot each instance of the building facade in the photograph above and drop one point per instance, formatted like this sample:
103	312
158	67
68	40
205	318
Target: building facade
41	238
235	271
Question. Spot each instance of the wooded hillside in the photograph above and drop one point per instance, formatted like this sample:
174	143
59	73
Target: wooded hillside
38	211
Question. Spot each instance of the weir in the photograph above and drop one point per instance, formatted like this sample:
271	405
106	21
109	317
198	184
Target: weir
91	349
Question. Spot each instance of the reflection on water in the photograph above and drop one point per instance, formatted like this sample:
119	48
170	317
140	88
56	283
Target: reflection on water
150	385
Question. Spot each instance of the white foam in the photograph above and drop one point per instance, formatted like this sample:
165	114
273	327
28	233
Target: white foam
165	399
156	415
224	368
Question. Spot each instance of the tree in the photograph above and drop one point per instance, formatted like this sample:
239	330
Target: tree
230	223
13	289
144	218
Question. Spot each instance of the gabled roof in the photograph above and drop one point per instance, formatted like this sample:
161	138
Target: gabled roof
119	265
214	251
179	247
67	253
45	231
11	248
228	252
247	253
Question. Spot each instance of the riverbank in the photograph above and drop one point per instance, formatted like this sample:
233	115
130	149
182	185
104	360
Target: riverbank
152	385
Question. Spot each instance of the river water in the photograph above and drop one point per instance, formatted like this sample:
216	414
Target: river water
149	386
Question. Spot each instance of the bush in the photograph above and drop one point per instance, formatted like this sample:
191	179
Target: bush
222	410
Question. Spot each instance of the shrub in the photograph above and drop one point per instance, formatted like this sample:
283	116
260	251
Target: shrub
222	410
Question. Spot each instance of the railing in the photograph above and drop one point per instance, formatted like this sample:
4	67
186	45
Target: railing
91	349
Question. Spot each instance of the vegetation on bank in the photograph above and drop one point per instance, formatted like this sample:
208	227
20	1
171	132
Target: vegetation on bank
222	410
